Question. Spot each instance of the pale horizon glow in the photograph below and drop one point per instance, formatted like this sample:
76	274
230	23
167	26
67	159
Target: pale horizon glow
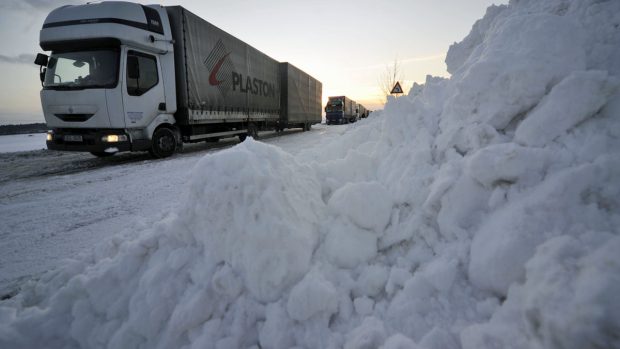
346	45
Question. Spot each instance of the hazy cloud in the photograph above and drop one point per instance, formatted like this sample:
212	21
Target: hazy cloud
24	58
439	56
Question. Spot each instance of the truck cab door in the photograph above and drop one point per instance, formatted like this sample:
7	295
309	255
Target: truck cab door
143	90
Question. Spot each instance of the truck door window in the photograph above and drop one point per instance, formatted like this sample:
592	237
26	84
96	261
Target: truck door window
147	76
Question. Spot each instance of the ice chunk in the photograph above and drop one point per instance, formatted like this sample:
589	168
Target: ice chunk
370	334
312	296
508	163
576	98
348	245
363	306
398	341
366	204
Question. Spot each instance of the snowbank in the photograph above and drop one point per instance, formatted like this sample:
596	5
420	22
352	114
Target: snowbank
479	211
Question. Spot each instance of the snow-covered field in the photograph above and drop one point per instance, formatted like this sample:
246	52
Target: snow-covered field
25	142
480	211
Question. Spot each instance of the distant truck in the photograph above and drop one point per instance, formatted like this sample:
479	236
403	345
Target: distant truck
127	77
363	112
341	110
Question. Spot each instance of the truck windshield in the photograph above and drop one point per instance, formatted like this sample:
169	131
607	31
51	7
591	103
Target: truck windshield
82	69
335	105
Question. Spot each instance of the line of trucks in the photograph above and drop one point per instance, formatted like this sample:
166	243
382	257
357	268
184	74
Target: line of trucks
127	77
343	110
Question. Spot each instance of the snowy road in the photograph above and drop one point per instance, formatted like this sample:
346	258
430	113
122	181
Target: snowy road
55	205
23	142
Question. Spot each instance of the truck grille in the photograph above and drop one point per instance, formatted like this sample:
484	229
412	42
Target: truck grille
74	117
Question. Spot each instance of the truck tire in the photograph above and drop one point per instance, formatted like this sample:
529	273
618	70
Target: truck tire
242	137
164	143
253	131
102	154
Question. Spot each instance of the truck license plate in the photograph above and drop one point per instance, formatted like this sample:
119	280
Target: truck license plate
73	138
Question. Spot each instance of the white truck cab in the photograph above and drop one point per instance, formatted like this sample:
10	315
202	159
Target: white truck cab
109	84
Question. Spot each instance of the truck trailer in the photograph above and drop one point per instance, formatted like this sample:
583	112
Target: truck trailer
341	110
363	112
127	77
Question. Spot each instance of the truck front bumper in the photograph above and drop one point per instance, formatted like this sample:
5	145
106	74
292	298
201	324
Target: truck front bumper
335	119
89	140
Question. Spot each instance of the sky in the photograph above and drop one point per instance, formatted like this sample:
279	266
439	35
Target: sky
347	45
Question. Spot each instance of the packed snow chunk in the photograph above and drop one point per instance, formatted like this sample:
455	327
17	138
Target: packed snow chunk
462	207
312	296
568	202
438	338
396	280
366	204
514	67
347	245
276	331
408	310
363	306
256	209
508	163
572	292
371	281
226	283
398	341
369	335
441	272
458	53
576	98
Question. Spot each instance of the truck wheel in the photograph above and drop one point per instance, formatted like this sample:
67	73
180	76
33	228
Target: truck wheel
242	137
101	154
253	131
164	143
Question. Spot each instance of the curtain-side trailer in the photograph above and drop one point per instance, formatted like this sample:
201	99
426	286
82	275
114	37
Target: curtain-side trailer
300	99
127	77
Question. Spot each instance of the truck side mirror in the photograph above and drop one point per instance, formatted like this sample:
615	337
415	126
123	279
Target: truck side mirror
41	59
133	67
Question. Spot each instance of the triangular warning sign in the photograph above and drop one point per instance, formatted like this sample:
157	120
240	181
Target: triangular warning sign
397	88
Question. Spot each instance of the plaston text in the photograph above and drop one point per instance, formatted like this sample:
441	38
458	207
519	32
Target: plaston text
252	85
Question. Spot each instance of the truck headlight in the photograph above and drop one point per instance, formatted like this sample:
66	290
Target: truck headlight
114	138
50	136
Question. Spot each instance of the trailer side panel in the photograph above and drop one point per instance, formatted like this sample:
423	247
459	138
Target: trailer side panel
219	77
301	96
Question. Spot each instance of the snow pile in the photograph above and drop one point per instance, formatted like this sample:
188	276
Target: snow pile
479	211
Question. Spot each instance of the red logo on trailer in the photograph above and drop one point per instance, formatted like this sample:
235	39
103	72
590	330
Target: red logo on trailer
213	76
220	67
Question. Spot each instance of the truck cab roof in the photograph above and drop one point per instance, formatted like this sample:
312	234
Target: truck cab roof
124	22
